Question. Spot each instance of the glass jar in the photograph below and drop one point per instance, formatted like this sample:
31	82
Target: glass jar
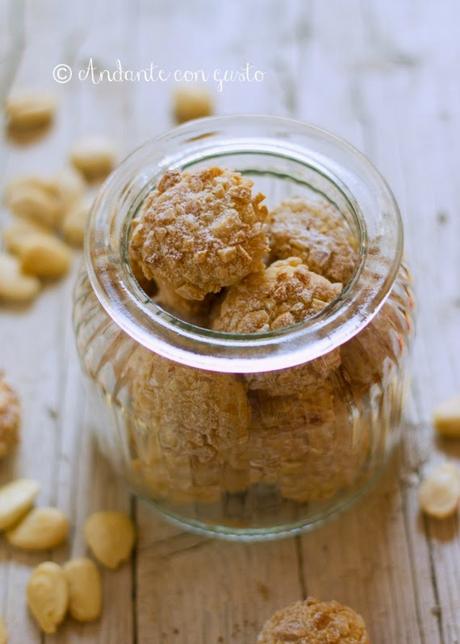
248	436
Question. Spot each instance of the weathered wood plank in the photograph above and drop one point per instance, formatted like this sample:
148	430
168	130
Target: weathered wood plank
382	570
203	592
422	119
31	345
384	76
86	482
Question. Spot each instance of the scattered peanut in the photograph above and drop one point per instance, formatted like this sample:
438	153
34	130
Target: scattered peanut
37	199
48	596
16	499
3	632
192	102
70	187
85	589
30	110
41	529
44	256
17	231
446	418
14	285
74	224
439	493
110	535
94	157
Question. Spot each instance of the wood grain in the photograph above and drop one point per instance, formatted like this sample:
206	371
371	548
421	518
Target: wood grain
383	75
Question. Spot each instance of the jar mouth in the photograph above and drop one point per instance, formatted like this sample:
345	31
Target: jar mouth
288	153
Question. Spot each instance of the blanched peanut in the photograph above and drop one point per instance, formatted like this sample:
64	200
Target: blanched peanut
16	499
192	102
3	632
41	529
37	199
74	224
110	535
446	418
48	596
439	493
17	231
44	256
94	157
27	111
70	187
14	285
85	589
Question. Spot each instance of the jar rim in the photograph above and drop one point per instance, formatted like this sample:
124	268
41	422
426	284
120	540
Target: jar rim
374	206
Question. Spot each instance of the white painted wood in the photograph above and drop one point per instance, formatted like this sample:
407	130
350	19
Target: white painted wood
384	75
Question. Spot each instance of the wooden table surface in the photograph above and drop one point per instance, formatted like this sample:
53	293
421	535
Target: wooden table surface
384	75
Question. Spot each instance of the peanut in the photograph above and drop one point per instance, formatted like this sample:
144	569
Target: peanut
37	199
30	110
85	589
41	529
14	285
94	157
3	632
48	596
16	499
74	224
15	233
446	418
110	535
44	256
70	187
192	103
439	493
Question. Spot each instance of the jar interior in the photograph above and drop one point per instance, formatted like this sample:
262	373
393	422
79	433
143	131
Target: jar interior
276	176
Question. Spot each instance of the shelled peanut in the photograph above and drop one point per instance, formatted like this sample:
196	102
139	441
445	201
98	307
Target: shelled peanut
41	529
76	587
15	285
95	157
85	589
16	499
439	492
110	536
192	102
30	110
45	210
51	211
48	596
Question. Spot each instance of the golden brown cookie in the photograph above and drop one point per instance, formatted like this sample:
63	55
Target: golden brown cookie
285	293
294	380
314	622
191	412
376	349
10	417
309	444
200	230
317	233
193	311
